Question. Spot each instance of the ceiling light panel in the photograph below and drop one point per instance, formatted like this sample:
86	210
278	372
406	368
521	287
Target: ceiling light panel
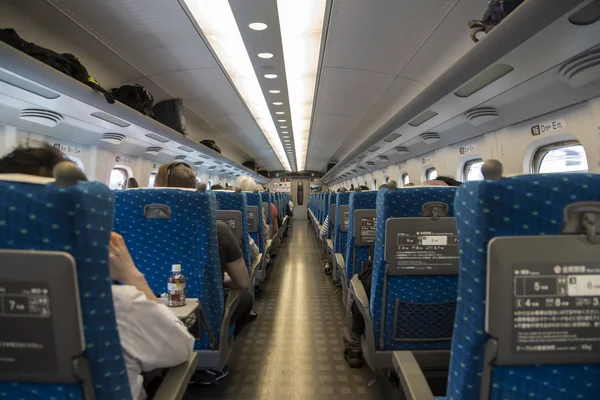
218	24
301	24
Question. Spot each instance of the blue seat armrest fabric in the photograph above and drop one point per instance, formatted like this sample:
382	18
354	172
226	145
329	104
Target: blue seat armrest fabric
339	260
175	383
412	380
231	303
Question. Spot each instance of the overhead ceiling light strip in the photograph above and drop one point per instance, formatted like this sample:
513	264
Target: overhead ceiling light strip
218	24
301	25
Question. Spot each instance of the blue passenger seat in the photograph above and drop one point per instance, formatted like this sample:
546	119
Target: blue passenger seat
237	201
340	234
404	311
35	214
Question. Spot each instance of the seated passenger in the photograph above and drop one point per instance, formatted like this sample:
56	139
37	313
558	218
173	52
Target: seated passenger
132	183
449	181
151	335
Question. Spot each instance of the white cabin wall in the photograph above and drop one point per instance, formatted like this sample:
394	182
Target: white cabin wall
514	146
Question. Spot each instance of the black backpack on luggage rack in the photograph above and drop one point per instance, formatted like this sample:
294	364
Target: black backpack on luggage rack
497	10
211	145
136	97
66	63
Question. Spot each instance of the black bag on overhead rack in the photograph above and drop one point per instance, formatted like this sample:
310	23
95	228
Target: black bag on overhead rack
136	97
170	113
250	165
497	10
211	145
66	63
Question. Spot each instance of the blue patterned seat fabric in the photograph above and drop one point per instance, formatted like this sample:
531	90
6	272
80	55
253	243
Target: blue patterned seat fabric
237	201
339	243
77	220
357	255
188	238
403	203
524	205
332	200
254	199
267	199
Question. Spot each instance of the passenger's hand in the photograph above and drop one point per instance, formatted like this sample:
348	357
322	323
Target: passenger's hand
122	268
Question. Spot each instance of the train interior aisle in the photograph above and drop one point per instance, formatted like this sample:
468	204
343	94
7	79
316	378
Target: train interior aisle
294	349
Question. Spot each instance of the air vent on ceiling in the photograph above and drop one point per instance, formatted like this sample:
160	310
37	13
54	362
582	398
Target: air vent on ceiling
582	69
179	158
481	115
383	158
114	138
41	117
424	117
429	137
374	149
203	156
392	137
153	150
223	170
198	163
401	149
371	163
218	162
109	118
186	149
158	138
213	167
361	156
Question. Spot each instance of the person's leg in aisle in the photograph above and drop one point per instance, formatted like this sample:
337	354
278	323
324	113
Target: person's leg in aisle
241	315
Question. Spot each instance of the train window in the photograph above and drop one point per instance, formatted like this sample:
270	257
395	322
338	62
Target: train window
430	174
118	179
209	184
374	187
472	170
151	179
560	157
387	179
405	179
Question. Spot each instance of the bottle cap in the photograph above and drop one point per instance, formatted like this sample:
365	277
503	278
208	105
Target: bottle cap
176	267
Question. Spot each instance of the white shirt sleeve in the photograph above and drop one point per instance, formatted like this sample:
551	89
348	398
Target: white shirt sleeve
150	333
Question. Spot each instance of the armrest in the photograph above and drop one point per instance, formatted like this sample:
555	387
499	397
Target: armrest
254	268
412	380
339	260
268	245
231	303
360	295
330	245
175	383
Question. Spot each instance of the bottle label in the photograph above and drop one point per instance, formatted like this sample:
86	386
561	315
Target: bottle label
176	292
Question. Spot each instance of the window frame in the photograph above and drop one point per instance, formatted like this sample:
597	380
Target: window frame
374	186
123	171
428	172
402	175
542	151
467	165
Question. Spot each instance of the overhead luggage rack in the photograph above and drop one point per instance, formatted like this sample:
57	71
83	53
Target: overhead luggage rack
26	83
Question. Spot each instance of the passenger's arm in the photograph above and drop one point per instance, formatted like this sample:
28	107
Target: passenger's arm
157	337
238	273
122	268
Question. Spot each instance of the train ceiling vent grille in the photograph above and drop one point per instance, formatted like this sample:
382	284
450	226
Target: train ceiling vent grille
179	158
582	69
481	115
113	138
153	150
41	117
401	150
370	163
429	137
198	163
383	158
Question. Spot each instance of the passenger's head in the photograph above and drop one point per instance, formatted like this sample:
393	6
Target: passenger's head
409	185
260	188
363	187
132	183
448	180
245	184
39	161
216	186
175	174
434	182
342	190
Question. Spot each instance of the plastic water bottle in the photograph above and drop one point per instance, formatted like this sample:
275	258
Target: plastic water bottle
176	287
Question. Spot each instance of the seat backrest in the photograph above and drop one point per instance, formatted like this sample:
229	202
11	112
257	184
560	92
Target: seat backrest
254	199
35	214
265	198
339	243
356	254
187	237
237	201
524	205
387	295
332	213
